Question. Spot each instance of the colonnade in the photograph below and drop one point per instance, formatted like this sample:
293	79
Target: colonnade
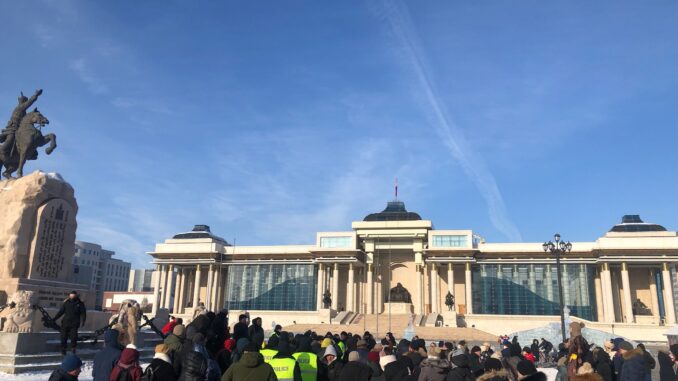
181	286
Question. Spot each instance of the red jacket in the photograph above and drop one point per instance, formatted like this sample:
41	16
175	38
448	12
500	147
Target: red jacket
167	329
129	359
530	357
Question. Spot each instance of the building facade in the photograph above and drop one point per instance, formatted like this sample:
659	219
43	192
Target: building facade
624	277
95	267
141	280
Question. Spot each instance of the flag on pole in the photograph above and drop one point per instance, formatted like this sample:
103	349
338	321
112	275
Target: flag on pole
396	188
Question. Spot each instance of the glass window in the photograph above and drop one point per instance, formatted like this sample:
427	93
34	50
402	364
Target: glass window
330	242
450	241
278	287
532	289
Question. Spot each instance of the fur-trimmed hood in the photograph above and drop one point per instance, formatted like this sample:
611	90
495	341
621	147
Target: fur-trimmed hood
632	354
492	374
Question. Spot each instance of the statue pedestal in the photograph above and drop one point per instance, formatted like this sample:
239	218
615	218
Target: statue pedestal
449	318
398	308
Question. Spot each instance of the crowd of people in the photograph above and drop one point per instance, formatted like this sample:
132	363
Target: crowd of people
208	350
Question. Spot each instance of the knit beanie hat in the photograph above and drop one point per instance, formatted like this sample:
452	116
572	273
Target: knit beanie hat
70	363
353	356
625	345
526	368
179	330
326	343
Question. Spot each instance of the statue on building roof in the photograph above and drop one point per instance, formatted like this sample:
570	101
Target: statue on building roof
399	294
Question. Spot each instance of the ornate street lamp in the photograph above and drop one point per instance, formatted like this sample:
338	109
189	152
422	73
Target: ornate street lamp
558	248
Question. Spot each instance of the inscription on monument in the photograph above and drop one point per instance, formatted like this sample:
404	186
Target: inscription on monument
56	222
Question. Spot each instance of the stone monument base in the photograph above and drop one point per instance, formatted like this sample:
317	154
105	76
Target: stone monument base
397	308
449	318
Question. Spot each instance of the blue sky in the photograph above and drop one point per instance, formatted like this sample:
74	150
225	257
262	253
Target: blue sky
270	121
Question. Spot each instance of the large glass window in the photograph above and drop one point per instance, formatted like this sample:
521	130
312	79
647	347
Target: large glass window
330	242
450	241
532	289
275	287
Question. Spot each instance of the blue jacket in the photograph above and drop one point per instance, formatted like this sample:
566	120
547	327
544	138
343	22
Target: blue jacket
634	366
105	360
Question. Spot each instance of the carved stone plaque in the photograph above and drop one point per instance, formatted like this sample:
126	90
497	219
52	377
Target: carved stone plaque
52	246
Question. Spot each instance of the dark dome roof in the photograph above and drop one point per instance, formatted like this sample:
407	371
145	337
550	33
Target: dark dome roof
395	211
200	231
633	223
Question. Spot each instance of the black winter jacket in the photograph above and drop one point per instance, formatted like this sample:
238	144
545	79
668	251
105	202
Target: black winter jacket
462	370
193	367
162	370
60	375
73	311
355	371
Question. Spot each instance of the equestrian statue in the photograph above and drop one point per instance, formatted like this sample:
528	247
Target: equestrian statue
19	141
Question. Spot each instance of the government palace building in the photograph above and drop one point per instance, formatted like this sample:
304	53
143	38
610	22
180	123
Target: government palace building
624	280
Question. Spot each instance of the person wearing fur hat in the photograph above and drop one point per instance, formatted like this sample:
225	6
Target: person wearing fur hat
160	368
527	372
634	363
69	369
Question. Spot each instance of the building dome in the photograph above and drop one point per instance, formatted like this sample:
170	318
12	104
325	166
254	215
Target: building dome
395	211
631	223
200	231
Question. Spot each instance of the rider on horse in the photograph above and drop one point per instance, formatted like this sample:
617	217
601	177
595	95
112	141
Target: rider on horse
7	134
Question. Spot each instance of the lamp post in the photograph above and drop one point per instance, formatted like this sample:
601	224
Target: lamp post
559	248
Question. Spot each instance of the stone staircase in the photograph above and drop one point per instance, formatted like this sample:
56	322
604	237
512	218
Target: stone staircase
378	325
47	355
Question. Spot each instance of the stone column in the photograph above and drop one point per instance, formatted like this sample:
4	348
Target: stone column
177	292
450	278
668	294
628	304
600	310
215	287
653	293
184	284
321	287
469	293
434	288
156	289
350	288
168	286
369	290
335	287
196	287
607	293
419	306
210	287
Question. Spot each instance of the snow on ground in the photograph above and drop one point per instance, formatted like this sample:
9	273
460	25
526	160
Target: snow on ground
43	375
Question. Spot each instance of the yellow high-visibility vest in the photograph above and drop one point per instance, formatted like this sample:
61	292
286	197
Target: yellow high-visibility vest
283	368
268	354
308	363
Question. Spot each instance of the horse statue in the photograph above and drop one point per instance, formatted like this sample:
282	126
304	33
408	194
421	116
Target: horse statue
27	140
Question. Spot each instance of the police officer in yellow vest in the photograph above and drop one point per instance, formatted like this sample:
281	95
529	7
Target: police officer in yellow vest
284	364
271	349
309	363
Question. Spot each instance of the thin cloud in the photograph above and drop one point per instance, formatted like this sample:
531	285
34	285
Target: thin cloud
400	24
84	72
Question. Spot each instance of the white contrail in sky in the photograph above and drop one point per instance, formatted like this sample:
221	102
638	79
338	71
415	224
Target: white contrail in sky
400	24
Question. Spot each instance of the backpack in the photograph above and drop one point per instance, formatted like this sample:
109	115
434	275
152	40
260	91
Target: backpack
123	375
149	374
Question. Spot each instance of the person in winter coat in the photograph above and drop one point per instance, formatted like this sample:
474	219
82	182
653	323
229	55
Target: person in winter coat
127	368
193	367
186	348
634	363
167	329
474	361
175	340
527	355
602	364
250	367
240	329
355	370
332	363
649	362
667	364
527	372
493	371
105	359
75	314
534	349
617	358
434	368
285	352
461	370
255	332
213	370
69	369
160	368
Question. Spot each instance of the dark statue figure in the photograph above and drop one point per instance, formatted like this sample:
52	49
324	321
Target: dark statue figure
399	294
327	299
21	139
449	301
